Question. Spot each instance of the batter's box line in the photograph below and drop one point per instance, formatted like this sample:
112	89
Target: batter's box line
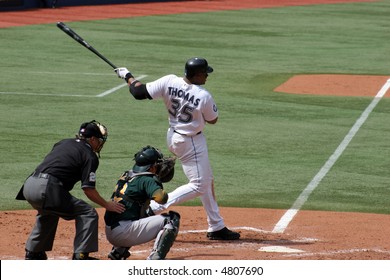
340	252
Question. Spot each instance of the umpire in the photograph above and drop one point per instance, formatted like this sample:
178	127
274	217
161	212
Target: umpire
48	188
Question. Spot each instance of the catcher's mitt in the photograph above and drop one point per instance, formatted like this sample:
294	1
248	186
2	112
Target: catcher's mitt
166	170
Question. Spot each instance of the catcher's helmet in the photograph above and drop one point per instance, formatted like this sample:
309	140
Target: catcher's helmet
145	158
196	65
93	128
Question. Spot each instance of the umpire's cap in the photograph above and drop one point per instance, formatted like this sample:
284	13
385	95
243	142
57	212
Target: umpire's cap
93	128
196	65
146	158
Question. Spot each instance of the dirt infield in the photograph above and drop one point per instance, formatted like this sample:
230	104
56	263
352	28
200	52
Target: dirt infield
311	235
41	16
337	85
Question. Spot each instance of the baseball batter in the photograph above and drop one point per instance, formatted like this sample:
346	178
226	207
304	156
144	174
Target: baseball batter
190	106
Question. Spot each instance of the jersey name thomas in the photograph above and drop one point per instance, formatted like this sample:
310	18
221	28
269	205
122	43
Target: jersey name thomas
176	92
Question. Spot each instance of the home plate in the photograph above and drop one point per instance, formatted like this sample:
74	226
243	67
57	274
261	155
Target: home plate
280	249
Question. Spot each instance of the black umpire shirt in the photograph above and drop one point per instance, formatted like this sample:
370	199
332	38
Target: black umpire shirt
70	161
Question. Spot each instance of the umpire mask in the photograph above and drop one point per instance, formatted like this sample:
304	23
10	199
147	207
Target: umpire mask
96	129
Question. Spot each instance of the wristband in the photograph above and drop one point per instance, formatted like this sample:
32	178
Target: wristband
128	76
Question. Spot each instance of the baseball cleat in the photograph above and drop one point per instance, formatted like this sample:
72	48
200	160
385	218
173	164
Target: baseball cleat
35	255
154	256
82	256
223	234
116	255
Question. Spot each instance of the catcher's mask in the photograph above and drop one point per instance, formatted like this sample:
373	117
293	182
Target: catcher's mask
196	65
94	128
146	158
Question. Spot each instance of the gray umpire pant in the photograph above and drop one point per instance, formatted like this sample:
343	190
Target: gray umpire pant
46	194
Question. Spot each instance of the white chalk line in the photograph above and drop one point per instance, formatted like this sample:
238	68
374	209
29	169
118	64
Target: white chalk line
283	223
45	94
103	94
339	252
70	73
112	90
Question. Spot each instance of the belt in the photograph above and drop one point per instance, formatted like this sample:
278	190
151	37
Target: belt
40	175
186	134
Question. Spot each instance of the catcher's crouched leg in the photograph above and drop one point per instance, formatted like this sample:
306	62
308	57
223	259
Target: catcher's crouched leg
166	237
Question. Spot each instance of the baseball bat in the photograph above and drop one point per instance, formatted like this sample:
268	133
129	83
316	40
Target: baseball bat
84	43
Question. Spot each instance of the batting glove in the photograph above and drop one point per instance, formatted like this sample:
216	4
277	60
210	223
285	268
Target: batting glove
121	72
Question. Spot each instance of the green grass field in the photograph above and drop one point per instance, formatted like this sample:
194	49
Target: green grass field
266	147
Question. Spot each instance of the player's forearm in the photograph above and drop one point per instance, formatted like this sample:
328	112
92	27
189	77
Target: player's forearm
94	196
138	89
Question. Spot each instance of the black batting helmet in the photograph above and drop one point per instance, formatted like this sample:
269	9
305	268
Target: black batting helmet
196	65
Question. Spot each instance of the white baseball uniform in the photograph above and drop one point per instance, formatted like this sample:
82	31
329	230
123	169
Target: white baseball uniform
189	107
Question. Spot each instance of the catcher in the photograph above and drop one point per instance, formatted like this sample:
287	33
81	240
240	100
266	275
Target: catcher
135	189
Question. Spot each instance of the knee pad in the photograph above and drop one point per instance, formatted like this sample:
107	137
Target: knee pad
174	219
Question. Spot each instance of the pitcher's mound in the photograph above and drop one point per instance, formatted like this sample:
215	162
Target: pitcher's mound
340	85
